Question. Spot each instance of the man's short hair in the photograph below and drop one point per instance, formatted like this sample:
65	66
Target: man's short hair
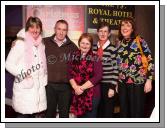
62	21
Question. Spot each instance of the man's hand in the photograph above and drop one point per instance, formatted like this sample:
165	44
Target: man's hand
13	43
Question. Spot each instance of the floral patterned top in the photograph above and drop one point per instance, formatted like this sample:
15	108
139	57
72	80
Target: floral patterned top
130	64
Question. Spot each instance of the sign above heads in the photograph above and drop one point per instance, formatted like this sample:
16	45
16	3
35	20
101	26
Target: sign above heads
111	14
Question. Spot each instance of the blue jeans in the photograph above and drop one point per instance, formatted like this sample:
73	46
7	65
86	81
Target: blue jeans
93	113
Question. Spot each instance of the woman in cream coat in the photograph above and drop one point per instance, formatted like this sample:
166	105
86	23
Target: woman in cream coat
27	62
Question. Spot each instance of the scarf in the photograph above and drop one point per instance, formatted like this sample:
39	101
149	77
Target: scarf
100	50
82	71
30	42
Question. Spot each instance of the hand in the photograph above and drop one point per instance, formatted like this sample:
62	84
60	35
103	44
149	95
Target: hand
78	90
94	52
13	43
110	93
28	77
148	86
116	88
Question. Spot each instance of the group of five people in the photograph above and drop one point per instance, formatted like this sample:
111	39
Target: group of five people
82	80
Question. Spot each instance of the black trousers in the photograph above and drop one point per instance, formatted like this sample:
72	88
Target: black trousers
106	106
20	115
131	97
58	94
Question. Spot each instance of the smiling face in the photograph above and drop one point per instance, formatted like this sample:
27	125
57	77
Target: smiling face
34	30
61	30
85	45
34	27
126	29
103	33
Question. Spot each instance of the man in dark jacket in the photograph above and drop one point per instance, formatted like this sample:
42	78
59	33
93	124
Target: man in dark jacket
58	49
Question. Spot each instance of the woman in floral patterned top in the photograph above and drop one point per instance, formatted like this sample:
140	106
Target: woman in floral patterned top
133	82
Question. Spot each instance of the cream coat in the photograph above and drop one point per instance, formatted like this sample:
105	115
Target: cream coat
29	95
